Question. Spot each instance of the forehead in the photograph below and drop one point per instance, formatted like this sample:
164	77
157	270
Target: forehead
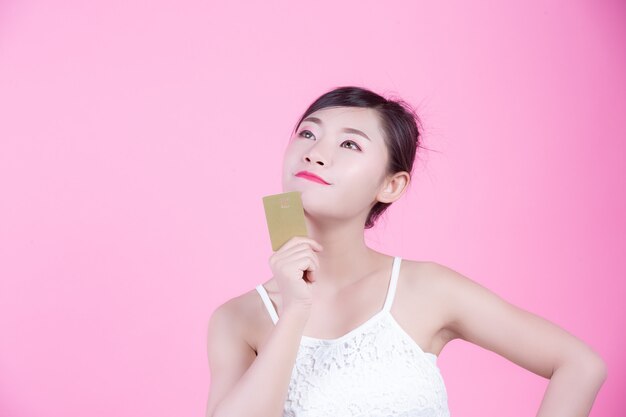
365	119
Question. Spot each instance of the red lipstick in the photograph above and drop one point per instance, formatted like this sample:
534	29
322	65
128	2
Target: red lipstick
311	176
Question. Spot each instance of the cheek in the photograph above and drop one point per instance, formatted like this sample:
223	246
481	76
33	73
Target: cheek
365	173
360	187
289	158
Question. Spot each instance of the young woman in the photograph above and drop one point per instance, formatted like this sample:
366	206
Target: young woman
342	330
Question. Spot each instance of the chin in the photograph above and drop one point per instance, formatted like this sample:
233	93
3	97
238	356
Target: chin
317	204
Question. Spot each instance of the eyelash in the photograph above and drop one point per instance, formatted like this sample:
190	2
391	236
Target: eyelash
358	147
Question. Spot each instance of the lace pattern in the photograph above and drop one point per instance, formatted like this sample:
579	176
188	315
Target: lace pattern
378	371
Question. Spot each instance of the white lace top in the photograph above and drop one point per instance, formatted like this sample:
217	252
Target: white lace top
374	370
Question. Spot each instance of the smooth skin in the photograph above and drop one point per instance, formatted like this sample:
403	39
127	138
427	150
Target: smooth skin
251	359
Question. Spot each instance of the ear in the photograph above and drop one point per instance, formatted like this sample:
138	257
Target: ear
393	187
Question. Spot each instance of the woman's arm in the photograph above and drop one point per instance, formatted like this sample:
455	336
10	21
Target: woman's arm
573	388
242	383
481	317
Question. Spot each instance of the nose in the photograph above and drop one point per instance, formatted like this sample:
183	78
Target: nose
317	160
314	155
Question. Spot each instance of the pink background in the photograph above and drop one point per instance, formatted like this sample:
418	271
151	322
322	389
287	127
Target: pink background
137	139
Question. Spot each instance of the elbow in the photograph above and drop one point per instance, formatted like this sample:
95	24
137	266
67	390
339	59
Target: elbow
594	367
598	368
590	366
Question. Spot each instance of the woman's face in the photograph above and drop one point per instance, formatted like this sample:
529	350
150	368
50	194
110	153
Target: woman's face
345	147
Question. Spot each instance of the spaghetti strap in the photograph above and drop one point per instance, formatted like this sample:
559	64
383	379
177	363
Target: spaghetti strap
393	283
268	302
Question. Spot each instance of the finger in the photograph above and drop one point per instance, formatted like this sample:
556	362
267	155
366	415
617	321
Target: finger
296	240
300	250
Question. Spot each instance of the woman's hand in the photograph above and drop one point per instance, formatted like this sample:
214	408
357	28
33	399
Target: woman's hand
293	266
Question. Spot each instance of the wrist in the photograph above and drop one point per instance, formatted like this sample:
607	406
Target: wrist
297	312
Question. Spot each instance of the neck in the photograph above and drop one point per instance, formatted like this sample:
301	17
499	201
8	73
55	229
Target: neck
345	258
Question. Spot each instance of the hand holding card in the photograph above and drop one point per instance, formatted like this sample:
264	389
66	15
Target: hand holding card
294	259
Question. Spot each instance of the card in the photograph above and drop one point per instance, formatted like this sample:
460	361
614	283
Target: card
285	217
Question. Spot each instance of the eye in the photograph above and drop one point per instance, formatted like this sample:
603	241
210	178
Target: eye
357	146
305	132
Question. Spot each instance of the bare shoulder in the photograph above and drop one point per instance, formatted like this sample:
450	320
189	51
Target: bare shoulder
430	279
451	290
420	305
423	273
228	317
440	278
432	275
241	316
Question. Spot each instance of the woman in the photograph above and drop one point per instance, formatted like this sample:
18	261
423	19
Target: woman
340	329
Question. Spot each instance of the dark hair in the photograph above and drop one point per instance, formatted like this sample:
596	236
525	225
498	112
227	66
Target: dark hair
399	123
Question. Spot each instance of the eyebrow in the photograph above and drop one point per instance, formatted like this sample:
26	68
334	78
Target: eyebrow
345	129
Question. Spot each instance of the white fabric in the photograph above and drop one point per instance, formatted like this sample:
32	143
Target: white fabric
374	370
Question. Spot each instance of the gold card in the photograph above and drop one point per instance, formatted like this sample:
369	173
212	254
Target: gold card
285	217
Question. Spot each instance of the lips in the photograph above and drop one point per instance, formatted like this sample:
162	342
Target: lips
311	176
